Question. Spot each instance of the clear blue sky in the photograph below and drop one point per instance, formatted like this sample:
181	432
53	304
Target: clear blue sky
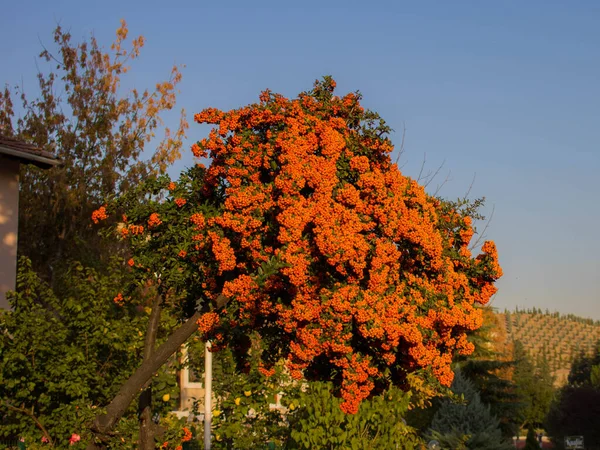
505	91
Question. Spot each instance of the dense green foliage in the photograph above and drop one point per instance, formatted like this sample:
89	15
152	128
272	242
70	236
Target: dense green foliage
576	412
307	415
576	409
499	393
467	418
319	423
583	368
60	356
535	387
243	399
63	357
489	369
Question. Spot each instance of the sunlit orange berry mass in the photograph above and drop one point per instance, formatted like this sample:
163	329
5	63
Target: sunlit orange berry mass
346	268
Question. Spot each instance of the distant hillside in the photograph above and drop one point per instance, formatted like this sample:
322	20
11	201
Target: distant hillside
560	337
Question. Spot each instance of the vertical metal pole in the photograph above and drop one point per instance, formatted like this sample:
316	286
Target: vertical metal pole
207	394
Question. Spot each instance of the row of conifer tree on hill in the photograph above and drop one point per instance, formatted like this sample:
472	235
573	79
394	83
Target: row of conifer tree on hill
555	314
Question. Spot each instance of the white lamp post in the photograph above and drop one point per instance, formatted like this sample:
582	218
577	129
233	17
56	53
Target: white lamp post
207	394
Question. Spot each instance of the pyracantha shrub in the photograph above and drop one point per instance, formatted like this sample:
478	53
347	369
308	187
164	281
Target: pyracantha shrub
303	230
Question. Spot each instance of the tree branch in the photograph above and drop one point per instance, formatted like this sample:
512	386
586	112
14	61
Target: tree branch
401	149
32	417
147	428
481	237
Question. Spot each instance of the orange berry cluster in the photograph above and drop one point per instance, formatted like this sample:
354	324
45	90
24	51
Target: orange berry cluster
154	220
207	322
99	214
187	435
119	299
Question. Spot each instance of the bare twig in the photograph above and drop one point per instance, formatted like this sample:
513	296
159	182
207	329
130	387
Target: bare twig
426	180
430	177
466	196
422	167
401	149
32	416
481	236
440	186
47	53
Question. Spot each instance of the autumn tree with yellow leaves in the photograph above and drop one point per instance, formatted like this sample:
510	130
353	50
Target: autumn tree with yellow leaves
97	129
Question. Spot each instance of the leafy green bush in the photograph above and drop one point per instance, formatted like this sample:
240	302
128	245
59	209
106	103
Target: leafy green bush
318	422
308	416
63	356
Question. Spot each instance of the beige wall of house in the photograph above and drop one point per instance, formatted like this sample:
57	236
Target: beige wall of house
9	217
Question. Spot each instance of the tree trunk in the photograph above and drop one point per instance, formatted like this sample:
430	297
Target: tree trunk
147	426
104	423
